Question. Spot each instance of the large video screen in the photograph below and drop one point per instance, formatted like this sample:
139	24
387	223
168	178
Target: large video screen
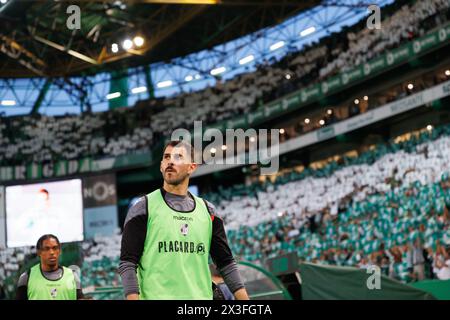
33	210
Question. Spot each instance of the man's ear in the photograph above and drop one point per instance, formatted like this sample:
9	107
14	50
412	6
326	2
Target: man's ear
160	167
193	167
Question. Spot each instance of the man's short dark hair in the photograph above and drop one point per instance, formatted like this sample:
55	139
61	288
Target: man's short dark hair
46	237
181	143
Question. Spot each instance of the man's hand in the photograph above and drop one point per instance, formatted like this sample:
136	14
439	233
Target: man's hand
241	294
133	296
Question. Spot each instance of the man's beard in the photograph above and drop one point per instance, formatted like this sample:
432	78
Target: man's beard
175	180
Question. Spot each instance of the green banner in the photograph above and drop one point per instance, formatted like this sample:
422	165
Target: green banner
240	122
352	75
310	93
256	116
438	288
321	282
134	160
425	43
331	85
61	168
291	102
272	109
375	65
72	167
399	55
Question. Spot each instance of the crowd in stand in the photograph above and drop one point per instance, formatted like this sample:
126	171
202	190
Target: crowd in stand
100	261
40	138
407	23
389	207
11	260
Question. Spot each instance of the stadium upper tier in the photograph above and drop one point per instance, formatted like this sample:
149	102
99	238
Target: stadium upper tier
123	131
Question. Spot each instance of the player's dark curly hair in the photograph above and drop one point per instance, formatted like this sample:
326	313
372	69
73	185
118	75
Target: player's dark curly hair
45	237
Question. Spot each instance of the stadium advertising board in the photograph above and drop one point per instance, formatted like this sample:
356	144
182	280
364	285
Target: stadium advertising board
100	205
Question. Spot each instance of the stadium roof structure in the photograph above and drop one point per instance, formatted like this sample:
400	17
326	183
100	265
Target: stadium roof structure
45	64
38	42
